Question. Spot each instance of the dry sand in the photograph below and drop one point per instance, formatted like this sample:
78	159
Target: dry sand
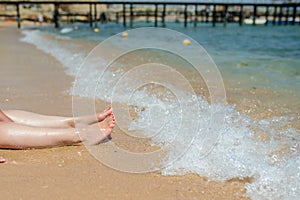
32	80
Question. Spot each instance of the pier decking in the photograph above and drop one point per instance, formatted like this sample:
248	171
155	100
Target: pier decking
195	12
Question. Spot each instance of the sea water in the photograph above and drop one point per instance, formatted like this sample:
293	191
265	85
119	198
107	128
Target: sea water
262	147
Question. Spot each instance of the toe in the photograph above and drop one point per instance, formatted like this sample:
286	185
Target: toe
104	114
2	160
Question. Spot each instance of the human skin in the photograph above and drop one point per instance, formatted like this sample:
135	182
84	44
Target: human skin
22	129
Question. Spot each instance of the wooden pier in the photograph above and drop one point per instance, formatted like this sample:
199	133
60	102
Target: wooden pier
203	12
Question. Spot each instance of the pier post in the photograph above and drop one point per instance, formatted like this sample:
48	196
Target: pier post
214	16
155	15
241	15
287	12
124	15
267	16
280	16
185	15
90	16
299	18
225	16
254	15
196	16
131	15
294	14
206	14
163	16
56	15
147	16
274	15
117	17
95	15
18	15
202	15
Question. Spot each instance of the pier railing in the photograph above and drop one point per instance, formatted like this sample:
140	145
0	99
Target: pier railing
205	12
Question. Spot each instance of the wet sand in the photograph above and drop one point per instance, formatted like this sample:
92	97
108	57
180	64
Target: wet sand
34	81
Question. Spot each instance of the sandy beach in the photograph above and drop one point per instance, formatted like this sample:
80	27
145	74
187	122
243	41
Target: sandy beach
34	81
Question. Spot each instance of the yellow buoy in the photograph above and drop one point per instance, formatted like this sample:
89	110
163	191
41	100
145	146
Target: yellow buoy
186	42
124	34
96	30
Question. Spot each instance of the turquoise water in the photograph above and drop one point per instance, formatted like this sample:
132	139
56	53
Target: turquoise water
266	58
248	56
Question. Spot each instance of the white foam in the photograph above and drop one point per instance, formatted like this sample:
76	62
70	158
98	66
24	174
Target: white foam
239	155
236	155
66	30
70	55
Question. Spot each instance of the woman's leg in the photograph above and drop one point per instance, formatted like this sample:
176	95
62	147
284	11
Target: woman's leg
37	120
4	118
18	136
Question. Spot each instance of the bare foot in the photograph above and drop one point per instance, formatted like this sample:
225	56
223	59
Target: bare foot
98	132
2	160
91	119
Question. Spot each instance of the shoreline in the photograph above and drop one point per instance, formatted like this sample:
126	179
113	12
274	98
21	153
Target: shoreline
37	82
